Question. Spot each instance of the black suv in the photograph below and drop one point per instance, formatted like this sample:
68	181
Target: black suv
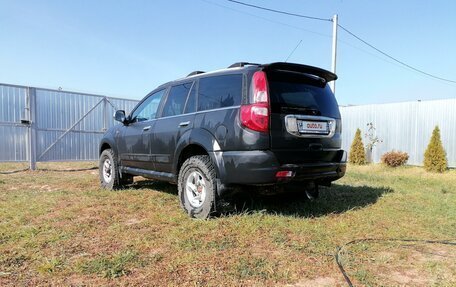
273	125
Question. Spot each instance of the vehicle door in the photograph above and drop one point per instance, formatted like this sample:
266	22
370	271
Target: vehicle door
134	141
176	119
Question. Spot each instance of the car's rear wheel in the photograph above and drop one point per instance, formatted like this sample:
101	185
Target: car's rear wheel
197	186
108	170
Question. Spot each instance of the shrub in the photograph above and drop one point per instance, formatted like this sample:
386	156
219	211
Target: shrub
435	155
357	153
395	158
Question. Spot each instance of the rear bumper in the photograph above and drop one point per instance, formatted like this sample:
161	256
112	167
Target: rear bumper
260	168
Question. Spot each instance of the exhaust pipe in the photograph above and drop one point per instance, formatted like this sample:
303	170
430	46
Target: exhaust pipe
312	192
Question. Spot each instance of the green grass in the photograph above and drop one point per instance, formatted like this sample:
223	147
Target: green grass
112	266
62	229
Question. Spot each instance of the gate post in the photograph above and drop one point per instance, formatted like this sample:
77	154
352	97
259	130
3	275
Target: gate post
105	114
31	94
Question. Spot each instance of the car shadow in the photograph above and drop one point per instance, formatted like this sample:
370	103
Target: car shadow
334	200
160	186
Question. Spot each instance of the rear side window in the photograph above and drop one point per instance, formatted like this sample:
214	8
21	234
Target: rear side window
294	93
176	100
219	92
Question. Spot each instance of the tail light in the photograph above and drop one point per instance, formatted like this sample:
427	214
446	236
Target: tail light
255	116
285	174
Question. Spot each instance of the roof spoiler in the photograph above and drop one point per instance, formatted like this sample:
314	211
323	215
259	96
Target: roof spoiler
325	75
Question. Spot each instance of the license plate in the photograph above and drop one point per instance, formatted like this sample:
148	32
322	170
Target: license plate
312	127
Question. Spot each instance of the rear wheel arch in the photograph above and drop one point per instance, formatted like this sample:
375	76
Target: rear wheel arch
198	142
187	152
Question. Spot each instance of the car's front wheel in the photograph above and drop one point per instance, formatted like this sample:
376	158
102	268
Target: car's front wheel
197	186
108	170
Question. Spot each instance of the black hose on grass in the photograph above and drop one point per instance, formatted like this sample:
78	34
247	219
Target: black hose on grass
14	171
69	170
45	169
356	241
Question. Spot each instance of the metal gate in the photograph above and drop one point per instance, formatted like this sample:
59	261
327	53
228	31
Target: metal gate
39	125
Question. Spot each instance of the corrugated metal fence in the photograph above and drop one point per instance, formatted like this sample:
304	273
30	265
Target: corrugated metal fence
404	126
52	125
13	134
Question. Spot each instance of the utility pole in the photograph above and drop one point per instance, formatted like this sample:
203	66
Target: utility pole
334	51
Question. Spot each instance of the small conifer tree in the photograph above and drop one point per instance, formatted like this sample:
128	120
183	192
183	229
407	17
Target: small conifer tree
357	153
435	155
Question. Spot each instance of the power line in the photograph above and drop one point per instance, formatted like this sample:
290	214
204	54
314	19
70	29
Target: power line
395	59
350	33
267	19
280	12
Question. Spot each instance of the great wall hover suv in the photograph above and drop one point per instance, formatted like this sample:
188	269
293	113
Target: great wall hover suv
276	126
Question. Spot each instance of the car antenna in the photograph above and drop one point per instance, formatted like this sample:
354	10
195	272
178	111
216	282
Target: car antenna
300	41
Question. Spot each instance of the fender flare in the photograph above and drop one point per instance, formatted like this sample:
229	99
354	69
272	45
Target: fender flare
110	142
207	141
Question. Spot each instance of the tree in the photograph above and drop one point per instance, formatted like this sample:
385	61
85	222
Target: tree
357	153
372	140
435	155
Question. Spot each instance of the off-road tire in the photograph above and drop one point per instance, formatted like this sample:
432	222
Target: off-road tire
113	182
203	165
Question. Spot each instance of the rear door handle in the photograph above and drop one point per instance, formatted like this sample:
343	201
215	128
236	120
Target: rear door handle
146	128
184	124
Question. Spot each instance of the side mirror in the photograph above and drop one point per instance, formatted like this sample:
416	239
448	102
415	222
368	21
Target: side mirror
120	116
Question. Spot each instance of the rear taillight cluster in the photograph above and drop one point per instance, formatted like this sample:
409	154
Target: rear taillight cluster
255	116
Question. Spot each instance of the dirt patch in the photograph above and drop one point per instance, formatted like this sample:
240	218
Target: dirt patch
316	282
437	252
409	264
133	221
409	277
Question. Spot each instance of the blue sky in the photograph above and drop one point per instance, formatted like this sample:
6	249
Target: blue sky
127	48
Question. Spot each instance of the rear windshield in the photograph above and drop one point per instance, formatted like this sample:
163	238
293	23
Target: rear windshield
300	94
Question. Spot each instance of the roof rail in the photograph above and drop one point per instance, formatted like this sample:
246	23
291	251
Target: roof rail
242	64
195	73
